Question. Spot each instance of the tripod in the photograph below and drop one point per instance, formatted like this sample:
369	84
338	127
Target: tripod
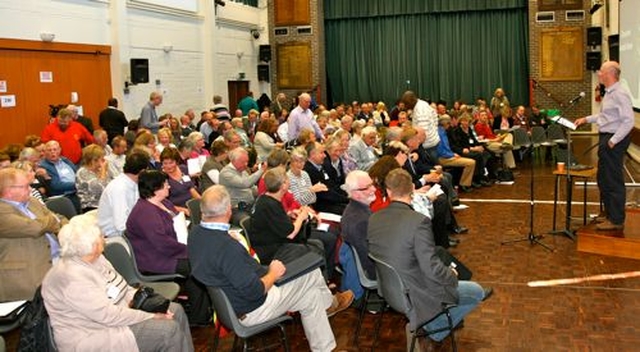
532	237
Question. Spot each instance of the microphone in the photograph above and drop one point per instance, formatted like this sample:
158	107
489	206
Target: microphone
577	98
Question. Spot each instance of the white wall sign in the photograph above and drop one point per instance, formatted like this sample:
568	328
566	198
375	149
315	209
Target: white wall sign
3	86
7	101
46	76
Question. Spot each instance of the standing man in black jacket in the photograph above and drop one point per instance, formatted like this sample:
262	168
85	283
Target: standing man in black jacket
113	120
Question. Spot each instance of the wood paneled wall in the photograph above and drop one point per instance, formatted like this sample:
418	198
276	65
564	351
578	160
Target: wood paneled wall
80	68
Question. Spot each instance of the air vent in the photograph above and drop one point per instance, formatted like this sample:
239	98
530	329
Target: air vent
545	17
574	16
281	31
304	30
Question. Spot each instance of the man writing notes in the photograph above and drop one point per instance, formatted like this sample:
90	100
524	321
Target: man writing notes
615	121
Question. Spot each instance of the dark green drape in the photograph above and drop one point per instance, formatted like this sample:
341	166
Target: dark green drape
439	51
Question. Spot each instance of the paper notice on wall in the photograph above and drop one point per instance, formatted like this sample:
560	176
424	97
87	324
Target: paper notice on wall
7	101
46	77
3	86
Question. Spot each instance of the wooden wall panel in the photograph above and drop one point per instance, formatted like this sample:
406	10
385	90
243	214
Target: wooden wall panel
84	70
292	12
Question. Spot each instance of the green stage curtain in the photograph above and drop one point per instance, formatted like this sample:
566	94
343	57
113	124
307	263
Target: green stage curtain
458	49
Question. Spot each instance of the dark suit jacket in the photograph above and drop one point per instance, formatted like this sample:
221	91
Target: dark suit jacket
113	122
403	238
335	199
354	224
86	122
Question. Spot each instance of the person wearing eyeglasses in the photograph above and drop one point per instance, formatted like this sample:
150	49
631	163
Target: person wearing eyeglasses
28	244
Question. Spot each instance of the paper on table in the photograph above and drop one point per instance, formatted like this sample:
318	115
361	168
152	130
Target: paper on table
330	217
180	227
7	308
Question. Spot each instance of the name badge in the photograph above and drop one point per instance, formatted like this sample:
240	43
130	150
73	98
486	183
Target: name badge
186	178
326	177
470	140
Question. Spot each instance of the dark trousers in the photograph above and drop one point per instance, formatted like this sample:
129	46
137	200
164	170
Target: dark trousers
611	177
199	310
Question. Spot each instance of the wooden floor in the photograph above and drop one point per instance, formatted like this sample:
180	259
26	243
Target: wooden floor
591	316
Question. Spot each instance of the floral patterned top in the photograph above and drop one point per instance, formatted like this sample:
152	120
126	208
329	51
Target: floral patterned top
90	187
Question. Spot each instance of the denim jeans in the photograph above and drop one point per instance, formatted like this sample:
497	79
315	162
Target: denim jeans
471	294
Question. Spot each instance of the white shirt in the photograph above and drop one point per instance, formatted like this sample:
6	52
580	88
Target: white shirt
425	117
116	202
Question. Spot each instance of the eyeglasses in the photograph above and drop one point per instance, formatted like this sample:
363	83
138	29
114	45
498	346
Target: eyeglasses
365	188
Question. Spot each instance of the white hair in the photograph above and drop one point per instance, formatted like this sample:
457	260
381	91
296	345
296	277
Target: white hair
235	153
215	202
351	182
78	238
368	130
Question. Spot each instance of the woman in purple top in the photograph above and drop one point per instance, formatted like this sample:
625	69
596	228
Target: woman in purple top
150	227
181	186
154	241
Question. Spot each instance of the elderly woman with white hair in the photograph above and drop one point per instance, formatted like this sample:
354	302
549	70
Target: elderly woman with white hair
89	302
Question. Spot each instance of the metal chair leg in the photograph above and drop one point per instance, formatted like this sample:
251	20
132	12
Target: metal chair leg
413	341
377	329
361	317
284	339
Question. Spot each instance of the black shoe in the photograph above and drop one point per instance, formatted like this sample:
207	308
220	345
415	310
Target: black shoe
459	230
487	293
476	185
466	189
455	240
485	183
455	202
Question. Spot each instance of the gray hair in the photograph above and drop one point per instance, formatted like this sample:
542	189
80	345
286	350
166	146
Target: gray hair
28	153
393	133
368	130
236	153
299	153
215	202
78	238
351	182
193	136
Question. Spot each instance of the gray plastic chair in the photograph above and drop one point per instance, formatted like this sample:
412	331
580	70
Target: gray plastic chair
368	284
540	142
120	254
61	205
245	223
194	210
396	295
228	318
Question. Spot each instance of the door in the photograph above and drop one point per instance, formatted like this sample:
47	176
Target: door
237	91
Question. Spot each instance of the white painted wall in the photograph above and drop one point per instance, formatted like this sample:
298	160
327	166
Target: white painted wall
205	44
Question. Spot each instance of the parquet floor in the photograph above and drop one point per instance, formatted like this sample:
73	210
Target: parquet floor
593	316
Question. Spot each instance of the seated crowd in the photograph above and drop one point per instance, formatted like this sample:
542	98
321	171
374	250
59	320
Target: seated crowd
283	169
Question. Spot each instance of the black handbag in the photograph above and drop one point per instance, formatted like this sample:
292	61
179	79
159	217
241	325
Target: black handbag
149	301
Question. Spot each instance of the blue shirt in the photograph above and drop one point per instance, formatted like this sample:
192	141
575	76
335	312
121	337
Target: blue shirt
444	149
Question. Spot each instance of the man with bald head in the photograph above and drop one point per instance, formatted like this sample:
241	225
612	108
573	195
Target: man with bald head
149	116
615	122
302	117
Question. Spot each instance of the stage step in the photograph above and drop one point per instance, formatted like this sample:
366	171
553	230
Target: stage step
624	244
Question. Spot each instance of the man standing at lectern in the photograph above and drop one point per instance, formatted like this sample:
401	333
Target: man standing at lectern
615	121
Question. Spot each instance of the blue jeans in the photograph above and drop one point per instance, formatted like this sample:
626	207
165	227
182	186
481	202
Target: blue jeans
471	294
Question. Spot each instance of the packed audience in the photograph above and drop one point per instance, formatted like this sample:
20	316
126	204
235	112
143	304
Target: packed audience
282	165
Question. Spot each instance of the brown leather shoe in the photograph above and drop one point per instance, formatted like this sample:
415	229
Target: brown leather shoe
341	301
607	225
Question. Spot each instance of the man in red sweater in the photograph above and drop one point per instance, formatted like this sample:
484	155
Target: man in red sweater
70	134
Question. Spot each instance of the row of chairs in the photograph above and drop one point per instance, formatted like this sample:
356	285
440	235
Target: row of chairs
540	140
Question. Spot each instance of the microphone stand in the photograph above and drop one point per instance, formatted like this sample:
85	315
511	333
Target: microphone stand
531	237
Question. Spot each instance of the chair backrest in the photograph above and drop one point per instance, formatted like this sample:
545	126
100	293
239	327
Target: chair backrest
61	205
119	254
391	287
538	135
521	138
224	310
362	276
194	209
245	223
556	134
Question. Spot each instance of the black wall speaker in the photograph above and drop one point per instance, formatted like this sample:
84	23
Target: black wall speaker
263	73
139	71
593	60
594	36
614	47
265	53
